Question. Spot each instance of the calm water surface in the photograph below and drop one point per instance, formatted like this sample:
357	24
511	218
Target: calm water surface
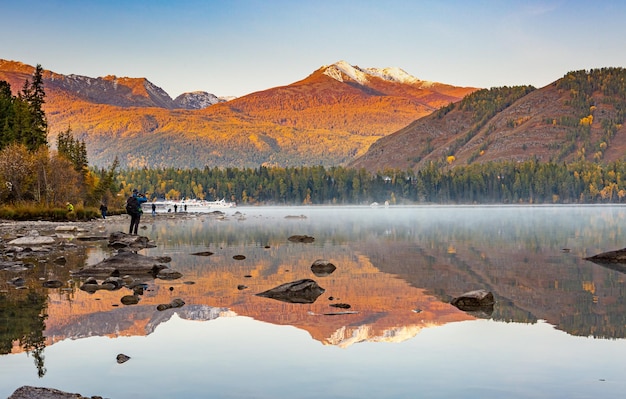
558	329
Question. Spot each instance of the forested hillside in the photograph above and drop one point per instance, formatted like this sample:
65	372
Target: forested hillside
578	117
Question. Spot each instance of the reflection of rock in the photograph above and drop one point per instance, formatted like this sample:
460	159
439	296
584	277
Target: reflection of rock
322	268
300	291
615	260
474	301
52	284
123	240
204	253
126	263
301	238
340	305
168	274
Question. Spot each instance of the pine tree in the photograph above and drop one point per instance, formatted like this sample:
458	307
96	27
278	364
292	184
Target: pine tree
34	95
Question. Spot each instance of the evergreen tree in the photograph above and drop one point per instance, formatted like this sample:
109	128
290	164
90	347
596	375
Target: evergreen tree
35	96
73	150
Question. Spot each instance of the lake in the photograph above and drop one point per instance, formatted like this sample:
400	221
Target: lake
557	329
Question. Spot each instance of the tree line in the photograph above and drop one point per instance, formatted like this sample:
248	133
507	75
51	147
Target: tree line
508	182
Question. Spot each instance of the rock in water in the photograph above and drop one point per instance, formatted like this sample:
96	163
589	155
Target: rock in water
474	300
322	268
300	291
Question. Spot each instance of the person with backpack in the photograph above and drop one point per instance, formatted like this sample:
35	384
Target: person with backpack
133	208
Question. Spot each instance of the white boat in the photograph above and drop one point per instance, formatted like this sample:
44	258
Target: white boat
193	206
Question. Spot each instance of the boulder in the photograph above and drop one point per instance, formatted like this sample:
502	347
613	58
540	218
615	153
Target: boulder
32	240
122	358
28	392
119	240
176	303
300	291
474	300
322	268
130	300
126	263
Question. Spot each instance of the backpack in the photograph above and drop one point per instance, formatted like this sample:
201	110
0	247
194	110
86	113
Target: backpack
132	205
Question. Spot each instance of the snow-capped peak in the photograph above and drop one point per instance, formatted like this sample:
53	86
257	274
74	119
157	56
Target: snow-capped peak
393	74
340	69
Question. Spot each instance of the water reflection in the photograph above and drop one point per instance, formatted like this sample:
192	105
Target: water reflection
397	269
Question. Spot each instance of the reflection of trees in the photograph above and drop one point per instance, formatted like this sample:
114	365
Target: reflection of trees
515	252
24	321
23	312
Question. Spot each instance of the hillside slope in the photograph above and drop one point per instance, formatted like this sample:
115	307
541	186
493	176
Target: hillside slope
580	116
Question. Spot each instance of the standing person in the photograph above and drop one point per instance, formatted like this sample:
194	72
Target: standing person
103	210
153	209
133	208
175	208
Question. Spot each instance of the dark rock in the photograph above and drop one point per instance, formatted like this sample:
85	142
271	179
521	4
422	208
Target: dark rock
615	260
122	358
91	288
340	305
301	238
52	284
204	253
130	300
340	313
168	274
91	280
60	260
28	392
241	287
17	281
474	301
122	240
125	263
322	268
117	282
176	303
300	291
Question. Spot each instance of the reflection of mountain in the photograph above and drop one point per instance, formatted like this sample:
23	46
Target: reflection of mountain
388	309
397	270
531	276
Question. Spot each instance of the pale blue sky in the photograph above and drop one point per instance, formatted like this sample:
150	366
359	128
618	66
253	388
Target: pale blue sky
235	47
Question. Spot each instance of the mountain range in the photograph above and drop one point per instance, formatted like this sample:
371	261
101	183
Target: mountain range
339	115
328	118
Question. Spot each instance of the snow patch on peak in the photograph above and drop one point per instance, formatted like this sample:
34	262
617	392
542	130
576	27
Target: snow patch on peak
393	74
341	68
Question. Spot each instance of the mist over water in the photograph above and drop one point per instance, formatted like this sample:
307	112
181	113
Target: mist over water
558	328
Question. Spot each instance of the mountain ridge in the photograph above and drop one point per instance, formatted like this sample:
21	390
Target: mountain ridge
315	121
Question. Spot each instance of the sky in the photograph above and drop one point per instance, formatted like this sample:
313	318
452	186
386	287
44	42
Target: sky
236	47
